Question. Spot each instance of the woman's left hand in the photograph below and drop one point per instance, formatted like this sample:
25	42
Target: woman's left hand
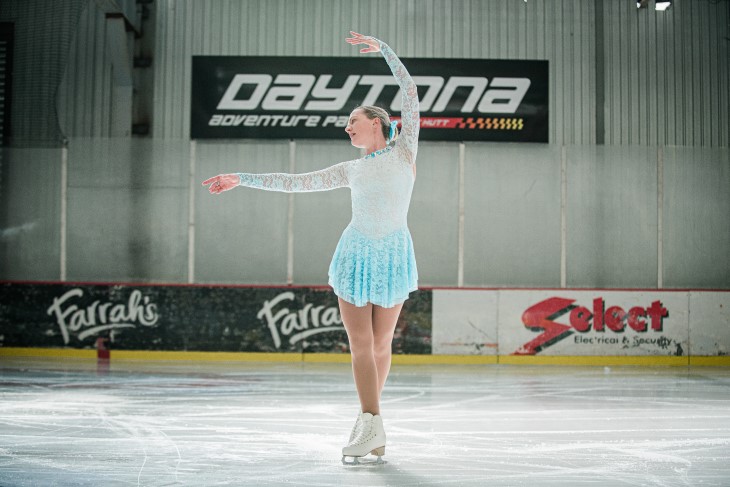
373	44
222	182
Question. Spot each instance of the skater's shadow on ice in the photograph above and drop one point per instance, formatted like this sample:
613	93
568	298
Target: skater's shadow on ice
389	473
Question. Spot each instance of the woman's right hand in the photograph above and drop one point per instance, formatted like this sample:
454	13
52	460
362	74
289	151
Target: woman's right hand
373	44
222	182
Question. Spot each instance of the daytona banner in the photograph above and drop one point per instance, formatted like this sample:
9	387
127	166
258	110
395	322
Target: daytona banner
312	97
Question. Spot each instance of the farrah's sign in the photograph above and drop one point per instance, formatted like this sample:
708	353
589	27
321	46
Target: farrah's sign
297	324
99	316
191	318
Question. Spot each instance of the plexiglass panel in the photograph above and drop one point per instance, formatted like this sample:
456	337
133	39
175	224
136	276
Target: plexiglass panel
127	234
128	209
241	235
128	203
512	215
696	218
434	214
30	216
611	216
132	163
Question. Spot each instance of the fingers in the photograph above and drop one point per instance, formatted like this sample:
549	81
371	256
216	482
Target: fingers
358	38
216	189
372	44
215	185
210	180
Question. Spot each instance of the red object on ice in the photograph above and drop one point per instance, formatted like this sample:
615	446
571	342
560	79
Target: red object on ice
102	348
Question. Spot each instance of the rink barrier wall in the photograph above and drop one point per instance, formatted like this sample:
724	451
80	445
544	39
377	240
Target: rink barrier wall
128	355
143	355
302	324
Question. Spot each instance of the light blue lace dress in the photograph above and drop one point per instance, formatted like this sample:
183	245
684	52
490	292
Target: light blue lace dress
374	259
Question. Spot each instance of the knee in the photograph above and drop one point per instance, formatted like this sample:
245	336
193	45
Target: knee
361	345
383	348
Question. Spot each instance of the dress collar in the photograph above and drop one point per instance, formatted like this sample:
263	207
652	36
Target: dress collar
378	152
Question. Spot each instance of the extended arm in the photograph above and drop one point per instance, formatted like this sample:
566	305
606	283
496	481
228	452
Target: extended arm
332	177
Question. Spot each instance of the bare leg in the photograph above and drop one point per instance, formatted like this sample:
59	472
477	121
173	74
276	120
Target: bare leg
359	326
384	321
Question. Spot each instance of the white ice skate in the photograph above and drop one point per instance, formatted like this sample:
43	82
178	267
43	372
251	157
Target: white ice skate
355	428
369	438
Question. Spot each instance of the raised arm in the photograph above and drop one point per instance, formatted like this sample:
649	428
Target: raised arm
410	117
333	177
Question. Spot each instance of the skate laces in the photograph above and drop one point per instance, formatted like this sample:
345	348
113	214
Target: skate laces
365	431
355	429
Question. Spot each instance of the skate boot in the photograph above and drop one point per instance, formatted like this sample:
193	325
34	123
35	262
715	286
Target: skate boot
357	425
369	438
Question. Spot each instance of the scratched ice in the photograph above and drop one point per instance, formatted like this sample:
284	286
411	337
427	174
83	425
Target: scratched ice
67	423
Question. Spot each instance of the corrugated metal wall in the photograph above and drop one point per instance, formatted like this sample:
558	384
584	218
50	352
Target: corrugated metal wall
618	75
85	95
43	35
664	74
505	29
667	74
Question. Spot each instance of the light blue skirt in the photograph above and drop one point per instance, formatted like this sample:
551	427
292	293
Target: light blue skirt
381	271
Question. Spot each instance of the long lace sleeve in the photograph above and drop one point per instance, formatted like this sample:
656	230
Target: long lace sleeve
410	117
333	177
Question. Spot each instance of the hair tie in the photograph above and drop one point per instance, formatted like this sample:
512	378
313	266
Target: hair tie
393	131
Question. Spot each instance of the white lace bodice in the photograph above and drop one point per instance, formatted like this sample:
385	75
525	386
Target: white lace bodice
381	184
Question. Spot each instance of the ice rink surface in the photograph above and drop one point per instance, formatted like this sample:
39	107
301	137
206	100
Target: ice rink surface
158	424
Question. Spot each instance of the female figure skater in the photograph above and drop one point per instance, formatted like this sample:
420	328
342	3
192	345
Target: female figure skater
374	268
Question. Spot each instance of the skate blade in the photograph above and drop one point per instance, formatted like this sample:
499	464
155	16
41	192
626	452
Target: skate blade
364	460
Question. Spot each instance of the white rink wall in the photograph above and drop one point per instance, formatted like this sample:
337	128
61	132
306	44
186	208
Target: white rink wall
572	322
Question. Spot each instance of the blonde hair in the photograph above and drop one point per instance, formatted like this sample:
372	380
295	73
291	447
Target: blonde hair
373	112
